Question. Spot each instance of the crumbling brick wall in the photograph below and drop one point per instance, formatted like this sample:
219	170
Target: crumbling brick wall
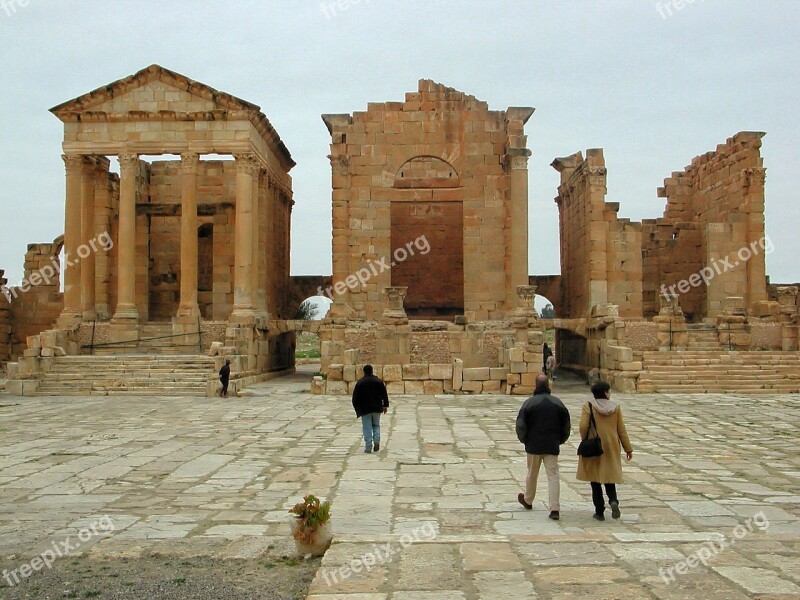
715	207
601	259
439	165
35	307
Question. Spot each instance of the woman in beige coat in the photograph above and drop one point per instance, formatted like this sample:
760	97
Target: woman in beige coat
606	468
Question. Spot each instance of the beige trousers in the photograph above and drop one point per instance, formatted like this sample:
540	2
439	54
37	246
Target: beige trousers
553	485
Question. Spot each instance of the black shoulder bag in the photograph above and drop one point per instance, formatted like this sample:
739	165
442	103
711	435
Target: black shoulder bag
591	447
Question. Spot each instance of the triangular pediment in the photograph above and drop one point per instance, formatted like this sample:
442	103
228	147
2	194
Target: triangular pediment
154	89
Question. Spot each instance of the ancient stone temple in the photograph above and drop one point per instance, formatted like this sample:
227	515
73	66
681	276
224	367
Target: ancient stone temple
170	254
430	245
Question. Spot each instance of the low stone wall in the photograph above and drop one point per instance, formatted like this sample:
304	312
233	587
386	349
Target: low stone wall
421	379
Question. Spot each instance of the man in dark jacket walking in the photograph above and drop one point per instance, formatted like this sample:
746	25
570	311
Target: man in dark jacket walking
542	425
370	400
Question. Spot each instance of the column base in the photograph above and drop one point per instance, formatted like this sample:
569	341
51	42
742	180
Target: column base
242	316
125	314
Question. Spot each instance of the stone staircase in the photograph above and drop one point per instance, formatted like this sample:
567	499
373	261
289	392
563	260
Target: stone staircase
154	338
128	375
718	371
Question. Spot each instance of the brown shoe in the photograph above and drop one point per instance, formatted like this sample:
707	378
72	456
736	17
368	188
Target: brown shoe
521	498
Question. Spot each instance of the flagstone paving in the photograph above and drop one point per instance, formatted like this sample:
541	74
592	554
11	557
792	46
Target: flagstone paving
710	504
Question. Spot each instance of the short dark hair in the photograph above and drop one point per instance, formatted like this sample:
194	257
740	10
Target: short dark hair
367	369
600	388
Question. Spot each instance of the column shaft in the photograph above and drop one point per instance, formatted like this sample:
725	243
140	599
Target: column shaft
72	240
519	227
126	254
243	242
188	305
87	254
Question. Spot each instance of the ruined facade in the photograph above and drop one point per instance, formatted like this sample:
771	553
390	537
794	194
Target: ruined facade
198	246
430	278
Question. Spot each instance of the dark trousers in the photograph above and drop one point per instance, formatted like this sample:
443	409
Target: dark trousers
597	495
224	391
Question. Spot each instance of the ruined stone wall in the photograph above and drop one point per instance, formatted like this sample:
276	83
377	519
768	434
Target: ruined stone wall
715	207
277	241
601	258
436	165
35	307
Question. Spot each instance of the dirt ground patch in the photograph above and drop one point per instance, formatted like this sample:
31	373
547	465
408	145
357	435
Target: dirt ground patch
164	579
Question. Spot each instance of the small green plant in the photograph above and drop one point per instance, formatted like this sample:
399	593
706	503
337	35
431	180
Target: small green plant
311	514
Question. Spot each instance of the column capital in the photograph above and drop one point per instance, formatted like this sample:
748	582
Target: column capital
127	160
246	162
73	162
516	159
190	161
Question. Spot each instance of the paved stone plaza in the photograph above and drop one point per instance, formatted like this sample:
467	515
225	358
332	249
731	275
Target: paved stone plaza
203	476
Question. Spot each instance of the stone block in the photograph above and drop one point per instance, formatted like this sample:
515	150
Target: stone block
31	352
528	379
472	386
393	373
415	387
458	374
47	352
336	372
349	373
437	371
21	387
492	386
631	366
415	372
395	387
514	378
476	374
518	367
498	373
432	387
522	390
516	355
215	349
336	387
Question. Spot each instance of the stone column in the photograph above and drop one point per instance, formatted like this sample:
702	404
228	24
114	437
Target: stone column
126	253
87	234
243	307
188	309
71	314
259	299
518	251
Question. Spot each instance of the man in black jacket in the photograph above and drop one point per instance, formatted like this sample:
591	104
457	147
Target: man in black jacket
542	425
370	400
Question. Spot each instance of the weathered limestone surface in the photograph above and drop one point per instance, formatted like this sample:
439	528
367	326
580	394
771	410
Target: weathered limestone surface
441	492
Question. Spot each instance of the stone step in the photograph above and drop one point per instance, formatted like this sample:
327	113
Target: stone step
133	374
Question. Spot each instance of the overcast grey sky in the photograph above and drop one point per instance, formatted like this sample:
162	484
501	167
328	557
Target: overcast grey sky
652	84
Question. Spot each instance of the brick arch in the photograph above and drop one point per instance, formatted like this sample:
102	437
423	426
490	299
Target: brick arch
549	286
425	171
305	286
